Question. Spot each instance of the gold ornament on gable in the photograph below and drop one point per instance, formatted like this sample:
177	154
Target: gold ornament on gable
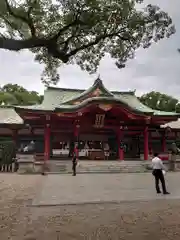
97	93
60	114
105	107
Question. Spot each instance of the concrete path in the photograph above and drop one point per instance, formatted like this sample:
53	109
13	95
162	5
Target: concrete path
95	188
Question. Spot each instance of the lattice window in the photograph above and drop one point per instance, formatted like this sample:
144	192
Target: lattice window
99	121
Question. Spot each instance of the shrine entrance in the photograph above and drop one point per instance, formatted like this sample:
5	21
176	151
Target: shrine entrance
132	148
98	146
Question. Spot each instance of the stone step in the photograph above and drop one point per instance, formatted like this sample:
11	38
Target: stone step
99	168
57	168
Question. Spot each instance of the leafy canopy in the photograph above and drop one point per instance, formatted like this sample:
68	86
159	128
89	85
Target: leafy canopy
80	31
160	101
13	94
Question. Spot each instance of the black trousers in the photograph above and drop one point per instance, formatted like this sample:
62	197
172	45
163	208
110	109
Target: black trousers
74	169
158	174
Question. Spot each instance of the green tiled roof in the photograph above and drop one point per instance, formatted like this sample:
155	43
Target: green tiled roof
132	101
53	98
9	116
56	96
62	99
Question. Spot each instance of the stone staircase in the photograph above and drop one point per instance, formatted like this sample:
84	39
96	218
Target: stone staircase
58	167
99	167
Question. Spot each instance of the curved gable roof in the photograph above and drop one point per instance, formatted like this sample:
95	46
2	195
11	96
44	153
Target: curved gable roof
97	89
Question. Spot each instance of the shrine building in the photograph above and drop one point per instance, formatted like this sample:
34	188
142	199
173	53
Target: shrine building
102	124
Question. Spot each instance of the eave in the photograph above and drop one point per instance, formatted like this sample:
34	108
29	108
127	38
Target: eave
100	100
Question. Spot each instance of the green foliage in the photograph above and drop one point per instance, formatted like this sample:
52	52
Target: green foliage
82	32
13	94
8	152
159	101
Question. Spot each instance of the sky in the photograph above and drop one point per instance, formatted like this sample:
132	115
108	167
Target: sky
153	69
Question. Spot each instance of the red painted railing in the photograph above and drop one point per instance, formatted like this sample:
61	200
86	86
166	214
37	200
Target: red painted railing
164	156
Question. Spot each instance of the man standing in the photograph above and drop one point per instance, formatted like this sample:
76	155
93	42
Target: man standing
74	163
158	166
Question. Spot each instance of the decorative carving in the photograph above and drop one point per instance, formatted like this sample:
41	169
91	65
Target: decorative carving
60	114
97	92
105	107
76	103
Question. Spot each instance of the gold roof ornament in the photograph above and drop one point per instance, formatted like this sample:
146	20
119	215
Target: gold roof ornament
105	107
97	93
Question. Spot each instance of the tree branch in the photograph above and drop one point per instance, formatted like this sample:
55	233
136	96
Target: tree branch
28	20
75	22
96	41
16	45
56	53
11	24
56	36
32	27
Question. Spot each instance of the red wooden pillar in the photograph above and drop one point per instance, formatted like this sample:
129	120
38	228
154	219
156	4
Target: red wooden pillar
14	136
15	139
150	143
47	142
146	144
164	143
120	147
76	136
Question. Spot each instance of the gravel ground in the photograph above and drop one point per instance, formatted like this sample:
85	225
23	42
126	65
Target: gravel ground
16	192
157	220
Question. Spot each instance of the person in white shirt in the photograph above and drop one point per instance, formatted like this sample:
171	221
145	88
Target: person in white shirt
158	167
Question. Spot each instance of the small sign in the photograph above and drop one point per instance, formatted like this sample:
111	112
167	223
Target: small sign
99	120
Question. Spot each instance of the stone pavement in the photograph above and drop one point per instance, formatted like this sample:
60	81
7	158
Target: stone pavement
95	188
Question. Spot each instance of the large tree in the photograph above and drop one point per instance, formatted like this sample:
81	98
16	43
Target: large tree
160	101
80	31
13	94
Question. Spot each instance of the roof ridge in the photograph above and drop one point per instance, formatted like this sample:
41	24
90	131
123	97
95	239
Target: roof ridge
65	89
123	92
83	90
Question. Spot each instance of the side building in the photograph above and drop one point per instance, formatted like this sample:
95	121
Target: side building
102	124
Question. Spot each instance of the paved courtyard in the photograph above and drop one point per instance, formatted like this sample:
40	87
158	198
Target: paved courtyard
116	217
95	188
